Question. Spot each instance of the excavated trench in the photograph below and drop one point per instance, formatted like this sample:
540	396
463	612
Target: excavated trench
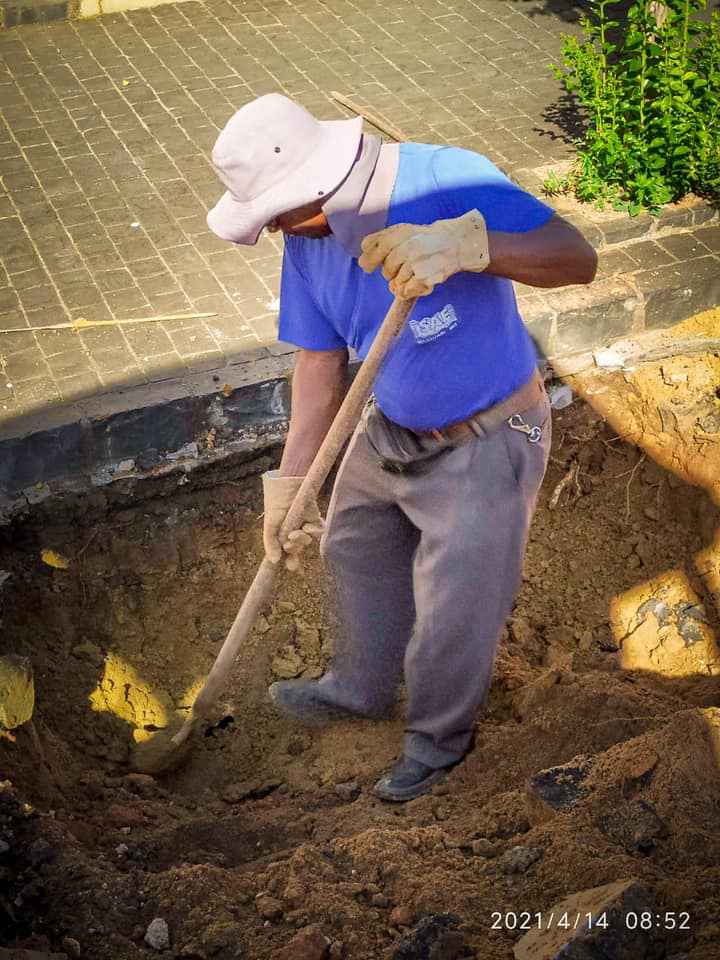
268	843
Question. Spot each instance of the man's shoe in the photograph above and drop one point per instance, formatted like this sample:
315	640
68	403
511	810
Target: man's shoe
408	779
302	700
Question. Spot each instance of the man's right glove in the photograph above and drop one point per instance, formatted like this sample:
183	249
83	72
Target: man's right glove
279	493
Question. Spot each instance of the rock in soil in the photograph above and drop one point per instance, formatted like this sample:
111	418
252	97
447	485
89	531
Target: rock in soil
308	944
519	859
348	791
555	790
436	937
597	924
636	826
157	934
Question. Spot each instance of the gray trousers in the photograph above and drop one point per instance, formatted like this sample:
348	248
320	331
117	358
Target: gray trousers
425	568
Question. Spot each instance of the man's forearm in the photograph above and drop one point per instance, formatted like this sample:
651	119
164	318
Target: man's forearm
552	256
318	387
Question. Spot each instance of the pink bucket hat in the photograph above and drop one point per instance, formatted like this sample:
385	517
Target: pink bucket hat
274	156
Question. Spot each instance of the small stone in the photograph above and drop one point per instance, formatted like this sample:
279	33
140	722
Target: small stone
522	631
307	944
436	936
337	950
157	934
379	900
268	907
348	791
71	946
4	847
483	847
285	606
122	850
519	859
141	783
125	830
288	667
402	916
261	625
294	894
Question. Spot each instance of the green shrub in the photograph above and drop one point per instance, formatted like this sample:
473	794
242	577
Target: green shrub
651	89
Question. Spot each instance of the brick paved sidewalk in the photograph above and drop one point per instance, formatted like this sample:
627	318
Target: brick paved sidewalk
105	143
104	153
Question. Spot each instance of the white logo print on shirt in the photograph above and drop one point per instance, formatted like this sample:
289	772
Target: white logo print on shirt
430	328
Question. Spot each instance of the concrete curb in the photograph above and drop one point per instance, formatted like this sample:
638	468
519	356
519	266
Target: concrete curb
147	430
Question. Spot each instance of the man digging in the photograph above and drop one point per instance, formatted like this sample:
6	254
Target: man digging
428	521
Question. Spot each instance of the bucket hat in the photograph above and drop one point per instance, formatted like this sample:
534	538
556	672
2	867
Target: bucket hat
274	156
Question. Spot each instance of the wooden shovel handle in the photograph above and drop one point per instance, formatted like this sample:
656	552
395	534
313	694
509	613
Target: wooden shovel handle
260	589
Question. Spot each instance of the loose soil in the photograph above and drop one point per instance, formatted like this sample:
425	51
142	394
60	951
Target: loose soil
271	829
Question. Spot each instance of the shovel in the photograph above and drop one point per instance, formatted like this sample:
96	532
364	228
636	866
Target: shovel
164	750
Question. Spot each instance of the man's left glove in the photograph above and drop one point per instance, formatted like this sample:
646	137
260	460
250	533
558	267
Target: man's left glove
279	493
416	257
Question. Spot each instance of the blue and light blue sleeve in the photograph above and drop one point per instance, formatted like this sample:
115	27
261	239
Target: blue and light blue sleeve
469	181
301	321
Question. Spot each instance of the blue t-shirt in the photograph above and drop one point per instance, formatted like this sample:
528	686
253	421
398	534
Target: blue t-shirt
464	346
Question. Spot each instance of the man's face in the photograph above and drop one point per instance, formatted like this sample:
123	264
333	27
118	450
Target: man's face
307	221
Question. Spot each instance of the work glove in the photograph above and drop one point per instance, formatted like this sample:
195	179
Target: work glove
279	493
415	258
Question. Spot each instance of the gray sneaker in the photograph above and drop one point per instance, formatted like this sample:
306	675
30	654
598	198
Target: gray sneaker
302	700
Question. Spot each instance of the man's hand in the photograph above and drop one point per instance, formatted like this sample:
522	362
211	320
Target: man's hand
279	493
416	258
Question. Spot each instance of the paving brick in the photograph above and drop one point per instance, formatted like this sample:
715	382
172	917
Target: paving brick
52	342
117	279
36	393
67	364
18	343
131	376
684	246
148	340
648	254
78	386
615	262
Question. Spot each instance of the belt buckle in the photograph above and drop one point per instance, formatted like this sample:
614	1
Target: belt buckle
516	422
